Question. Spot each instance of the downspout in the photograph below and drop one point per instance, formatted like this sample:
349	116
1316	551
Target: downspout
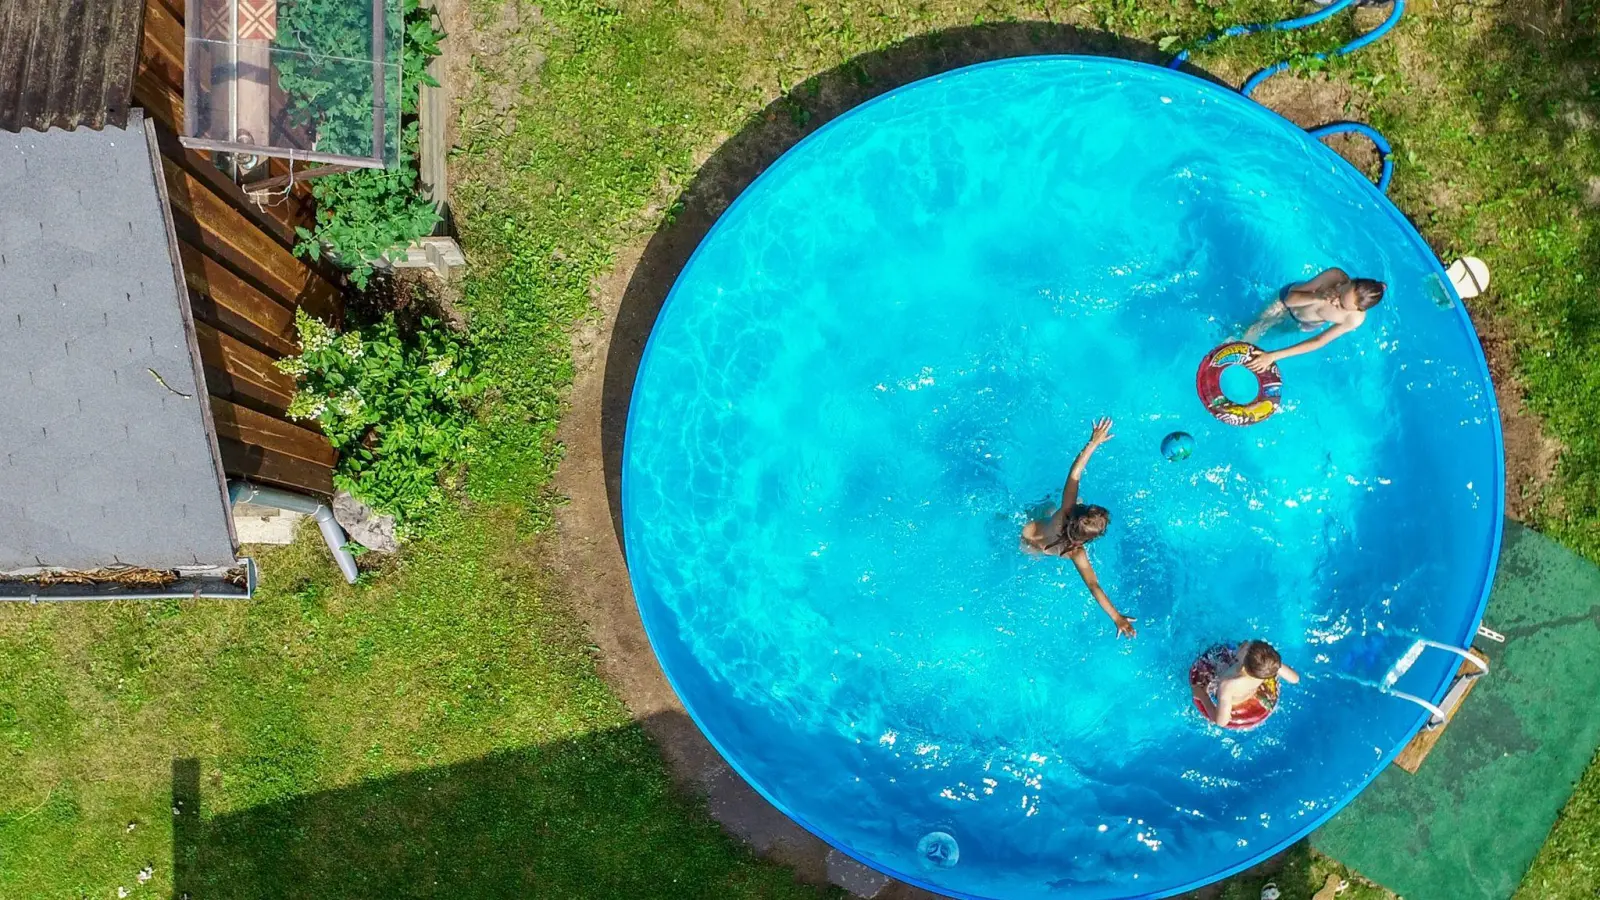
241	491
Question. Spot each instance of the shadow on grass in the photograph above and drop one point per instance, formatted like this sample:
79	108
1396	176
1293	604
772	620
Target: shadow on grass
779	126
593	817
1534	157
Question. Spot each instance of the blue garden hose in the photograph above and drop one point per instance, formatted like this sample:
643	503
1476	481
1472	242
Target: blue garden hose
1306	21
1254	81
1372	134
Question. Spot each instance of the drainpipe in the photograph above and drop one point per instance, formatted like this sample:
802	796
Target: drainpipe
241	491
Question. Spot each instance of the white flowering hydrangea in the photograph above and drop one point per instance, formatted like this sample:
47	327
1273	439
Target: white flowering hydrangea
307	406
349	403
292	365
394	404
314	335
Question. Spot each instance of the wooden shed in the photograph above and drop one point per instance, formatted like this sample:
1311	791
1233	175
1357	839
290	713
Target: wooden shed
74	64
148	298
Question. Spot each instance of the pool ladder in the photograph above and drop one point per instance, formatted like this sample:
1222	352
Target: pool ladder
1458	687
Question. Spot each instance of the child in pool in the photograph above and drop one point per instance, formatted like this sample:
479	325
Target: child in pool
1332	298
1070	528
1254	662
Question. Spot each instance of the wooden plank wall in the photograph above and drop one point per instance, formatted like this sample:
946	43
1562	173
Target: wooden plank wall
244	283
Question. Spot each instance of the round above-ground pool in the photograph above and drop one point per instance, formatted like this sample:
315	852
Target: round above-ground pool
883	359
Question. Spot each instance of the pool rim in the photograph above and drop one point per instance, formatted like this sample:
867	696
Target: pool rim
1245	106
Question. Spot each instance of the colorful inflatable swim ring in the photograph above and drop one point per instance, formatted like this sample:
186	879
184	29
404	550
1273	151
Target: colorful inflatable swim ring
1208	384
1203	677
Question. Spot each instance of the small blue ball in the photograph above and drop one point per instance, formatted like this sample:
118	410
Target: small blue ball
1177	445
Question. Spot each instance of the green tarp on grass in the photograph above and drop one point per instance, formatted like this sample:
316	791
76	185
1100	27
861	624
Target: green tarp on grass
1468	825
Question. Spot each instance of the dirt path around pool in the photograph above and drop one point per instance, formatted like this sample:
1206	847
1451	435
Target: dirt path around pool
588	555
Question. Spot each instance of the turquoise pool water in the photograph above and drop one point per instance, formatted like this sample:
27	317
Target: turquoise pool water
885	356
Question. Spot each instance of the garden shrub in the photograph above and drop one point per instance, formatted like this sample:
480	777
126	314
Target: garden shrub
396	407
364	214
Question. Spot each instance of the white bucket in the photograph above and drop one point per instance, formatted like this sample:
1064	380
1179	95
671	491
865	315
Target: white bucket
1470	275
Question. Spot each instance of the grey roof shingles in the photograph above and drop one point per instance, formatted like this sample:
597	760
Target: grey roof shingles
100	463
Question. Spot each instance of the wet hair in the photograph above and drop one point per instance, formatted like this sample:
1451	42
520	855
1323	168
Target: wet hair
1261	661
1084	523
1369	293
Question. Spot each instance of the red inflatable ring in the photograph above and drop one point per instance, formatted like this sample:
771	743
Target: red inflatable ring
1247	715
1208	384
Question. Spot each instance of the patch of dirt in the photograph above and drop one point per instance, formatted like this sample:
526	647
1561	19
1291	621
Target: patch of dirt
1531	454
1578	116
505	45
587	554
1309	100
411	294
1313	100
1591	192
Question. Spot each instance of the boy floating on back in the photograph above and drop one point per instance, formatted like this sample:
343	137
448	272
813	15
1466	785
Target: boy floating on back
1332	299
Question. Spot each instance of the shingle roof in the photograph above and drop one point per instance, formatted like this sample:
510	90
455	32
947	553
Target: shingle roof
67	63
106	453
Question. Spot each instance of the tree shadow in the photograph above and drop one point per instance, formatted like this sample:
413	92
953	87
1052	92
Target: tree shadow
1534	89
779	126
591	817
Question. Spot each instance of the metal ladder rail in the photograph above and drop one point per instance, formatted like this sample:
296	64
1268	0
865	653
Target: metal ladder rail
1457	690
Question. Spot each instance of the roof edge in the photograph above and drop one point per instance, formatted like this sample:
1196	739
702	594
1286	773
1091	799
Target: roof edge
192	583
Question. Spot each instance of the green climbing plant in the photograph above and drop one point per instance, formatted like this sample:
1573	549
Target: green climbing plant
365	214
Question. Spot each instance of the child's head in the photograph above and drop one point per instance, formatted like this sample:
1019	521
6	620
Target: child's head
1261	661
1369	293
1087	523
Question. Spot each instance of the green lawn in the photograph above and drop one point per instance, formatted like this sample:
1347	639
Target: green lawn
440	730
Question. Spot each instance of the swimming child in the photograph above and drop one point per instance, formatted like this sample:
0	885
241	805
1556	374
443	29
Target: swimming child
1070	528
1332	299
1252	665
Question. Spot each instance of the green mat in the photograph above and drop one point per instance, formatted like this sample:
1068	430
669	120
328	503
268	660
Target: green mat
1468	825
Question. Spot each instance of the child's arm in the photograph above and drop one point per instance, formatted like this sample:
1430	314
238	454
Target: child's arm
1288	674
1317	285
1080	559
1260	361
1222	713
1100	434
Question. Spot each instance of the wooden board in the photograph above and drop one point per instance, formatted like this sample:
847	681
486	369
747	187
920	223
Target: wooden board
1412	756
257	429
160	100
228	303
236	371
269	467
278	219
162	48
211	223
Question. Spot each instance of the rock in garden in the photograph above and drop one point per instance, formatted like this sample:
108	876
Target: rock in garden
364	524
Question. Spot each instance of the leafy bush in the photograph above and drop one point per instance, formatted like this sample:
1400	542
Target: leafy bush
364	214
395	407
322	59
